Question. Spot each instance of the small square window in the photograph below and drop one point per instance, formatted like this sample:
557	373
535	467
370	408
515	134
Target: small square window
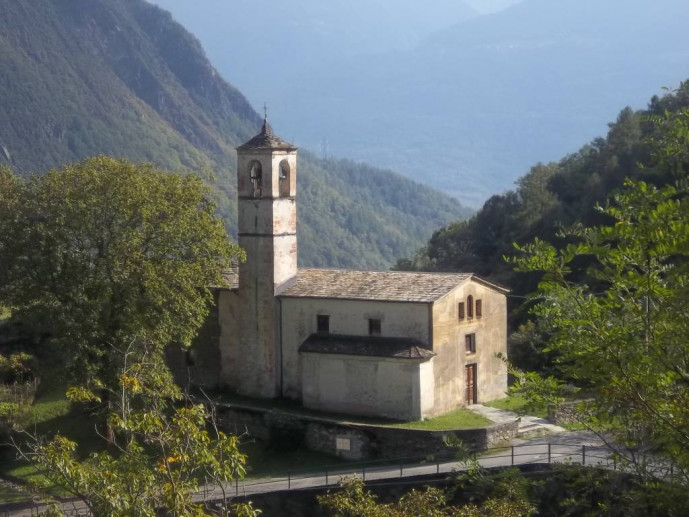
374	327
323	323
470	343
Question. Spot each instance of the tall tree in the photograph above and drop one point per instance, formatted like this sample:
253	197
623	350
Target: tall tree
104	253
619	332
164	447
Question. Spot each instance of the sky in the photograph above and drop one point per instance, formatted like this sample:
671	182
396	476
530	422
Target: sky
490	6
468	103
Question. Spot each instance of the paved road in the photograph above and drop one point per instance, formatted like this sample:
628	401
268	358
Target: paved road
579	447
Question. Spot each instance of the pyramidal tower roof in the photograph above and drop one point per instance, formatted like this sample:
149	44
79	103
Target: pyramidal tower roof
266	139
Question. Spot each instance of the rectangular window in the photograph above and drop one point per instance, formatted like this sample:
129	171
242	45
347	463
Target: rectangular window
323	323
479	308
461	310
373	327
470	343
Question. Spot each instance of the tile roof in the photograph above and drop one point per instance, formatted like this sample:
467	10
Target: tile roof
395	286
266	139
372	346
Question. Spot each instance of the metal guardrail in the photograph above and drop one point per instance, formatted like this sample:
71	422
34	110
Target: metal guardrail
332	475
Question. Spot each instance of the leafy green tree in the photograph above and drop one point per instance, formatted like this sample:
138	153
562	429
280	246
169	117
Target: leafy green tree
355	501
104	253
536	199
670	142
619	332
163	449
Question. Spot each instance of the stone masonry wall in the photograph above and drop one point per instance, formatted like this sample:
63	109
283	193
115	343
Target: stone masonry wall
359	441
567	413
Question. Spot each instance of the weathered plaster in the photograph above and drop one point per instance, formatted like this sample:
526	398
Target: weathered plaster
449	343
358	385
298	317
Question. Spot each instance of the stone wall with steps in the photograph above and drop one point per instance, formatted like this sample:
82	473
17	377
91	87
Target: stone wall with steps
355	440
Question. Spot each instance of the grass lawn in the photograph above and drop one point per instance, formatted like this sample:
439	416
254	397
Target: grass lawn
12	495
31	475
459	419
519	405
51	413
46	408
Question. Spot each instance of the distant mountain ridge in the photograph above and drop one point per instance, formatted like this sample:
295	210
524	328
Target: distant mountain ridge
475	105
120	77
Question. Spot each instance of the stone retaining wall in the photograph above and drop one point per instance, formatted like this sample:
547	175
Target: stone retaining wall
567	412
355	441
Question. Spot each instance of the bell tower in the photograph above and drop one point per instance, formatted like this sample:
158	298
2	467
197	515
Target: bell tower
267	224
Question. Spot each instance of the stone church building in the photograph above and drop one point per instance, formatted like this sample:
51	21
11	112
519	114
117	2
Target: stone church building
390	344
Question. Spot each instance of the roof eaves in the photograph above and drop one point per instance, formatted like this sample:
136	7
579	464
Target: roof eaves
353	299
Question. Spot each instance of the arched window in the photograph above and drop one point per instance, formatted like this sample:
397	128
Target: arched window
470	306
284	178
256	178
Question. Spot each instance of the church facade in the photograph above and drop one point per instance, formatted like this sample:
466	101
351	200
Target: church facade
389	344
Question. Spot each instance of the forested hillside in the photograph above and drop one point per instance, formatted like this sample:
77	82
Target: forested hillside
120	77
558	195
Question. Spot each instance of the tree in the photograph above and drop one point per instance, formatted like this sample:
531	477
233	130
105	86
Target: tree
506	500
619	332
670	142
105	253
163	450
536	199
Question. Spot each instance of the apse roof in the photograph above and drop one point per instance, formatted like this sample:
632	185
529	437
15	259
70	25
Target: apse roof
372	346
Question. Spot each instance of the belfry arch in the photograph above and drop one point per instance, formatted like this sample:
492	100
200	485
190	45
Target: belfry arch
256	178
285	178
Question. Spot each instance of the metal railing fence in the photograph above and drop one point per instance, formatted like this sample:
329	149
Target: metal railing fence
331	475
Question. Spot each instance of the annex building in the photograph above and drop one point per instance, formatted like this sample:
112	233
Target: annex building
389	344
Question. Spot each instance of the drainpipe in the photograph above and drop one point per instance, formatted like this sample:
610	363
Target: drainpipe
281	360
430	325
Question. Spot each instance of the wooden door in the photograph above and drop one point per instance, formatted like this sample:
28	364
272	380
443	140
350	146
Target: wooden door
470	396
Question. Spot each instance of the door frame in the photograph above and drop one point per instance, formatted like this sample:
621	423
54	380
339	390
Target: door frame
470	388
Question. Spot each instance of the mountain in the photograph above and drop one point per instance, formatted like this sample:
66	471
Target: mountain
238	32
471	107
651	145
121	77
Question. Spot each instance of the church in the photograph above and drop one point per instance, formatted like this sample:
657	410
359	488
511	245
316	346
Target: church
400	345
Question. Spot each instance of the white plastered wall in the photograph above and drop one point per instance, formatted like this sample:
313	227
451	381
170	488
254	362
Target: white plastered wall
372	386
298	318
